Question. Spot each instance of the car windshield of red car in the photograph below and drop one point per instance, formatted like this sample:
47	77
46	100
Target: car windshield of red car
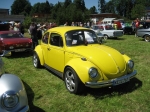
80	37
11	35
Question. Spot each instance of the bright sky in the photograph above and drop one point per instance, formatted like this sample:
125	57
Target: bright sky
6	4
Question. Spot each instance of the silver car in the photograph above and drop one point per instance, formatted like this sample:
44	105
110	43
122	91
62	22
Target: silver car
13	97
144	33
107	30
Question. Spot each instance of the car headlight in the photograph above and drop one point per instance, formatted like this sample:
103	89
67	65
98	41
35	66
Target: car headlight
93	72
10	99
130	64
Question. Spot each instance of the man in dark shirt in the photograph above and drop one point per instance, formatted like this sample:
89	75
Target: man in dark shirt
33	32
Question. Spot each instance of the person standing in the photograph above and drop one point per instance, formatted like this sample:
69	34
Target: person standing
33	32
21	28
16	27
137	23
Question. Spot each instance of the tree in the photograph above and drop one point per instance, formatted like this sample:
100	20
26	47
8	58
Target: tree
138	11
67	2
21	7
93	10
80	4
101	6
110	7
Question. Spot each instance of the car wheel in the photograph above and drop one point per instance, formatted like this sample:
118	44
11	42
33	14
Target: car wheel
72	81
105	37
36	61
147	38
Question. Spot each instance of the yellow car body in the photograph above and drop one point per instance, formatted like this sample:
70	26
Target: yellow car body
88	63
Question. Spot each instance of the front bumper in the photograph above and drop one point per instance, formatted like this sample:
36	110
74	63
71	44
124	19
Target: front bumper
112	82
5	52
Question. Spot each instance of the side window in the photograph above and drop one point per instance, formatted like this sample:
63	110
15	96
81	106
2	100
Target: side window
101	28
56	40
45	38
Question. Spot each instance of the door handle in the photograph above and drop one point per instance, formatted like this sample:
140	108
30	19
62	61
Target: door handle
48	49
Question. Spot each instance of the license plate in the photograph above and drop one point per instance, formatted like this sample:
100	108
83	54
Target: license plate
120	81
19	50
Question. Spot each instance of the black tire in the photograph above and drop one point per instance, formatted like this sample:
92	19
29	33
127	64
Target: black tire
72	81
105	37
147	38
36	61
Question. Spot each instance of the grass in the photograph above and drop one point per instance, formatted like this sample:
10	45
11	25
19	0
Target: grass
47	93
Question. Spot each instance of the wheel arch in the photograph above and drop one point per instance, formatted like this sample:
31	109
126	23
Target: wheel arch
38	50
81	68
145	35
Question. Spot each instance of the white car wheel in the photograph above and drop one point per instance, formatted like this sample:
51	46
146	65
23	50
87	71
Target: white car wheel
36	61
105	37
72	82
147	38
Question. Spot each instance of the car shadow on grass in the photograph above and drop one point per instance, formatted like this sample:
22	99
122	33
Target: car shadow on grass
30	95
118	38
19	54
128	87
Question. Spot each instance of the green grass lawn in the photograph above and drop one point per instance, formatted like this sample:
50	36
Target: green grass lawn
47	93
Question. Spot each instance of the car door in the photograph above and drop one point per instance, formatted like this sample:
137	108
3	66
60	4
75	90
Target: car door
55	54
45	45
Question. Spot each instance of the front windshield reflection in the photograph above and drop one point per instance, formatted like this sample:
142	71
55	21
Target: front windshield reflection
80	37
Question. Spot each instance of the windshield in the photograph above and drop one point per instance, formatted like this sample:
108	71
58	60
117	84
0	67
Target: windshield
11	35
80	37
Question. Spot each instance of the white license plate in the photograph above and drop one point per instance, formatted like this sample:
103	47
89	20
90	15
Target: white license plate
120	81
19	50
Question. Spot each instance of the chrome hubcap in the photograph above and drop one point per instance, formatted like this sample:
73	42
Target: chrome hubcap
69	80
35	61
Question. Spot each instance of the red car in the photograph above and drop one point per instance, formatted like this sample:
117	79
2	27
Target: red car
13	41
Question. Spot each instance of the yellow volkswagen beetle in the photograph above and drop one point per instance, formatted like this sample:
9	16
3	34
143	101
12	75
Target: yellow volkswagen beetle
76	55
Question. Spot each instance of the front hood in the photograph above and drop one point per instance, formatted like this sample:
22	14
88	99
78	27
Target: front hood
108	60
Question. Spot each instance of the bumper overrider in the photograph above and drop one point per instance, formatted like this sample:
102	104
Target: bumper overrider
112	82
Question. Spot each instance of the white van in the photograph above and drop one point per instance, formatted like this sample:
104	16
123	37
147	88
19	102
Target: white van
107	20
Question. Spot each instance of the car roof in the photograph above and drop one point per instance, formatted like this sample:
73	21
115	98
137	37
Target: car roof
3	32
64	29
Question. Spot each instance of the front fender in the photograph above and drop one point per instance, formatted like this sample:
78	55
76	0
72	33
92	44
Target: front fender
39	52
82	67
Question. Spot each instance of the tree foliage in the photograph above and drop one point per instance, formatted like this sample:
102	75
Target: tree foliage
76	11
101	6
21	7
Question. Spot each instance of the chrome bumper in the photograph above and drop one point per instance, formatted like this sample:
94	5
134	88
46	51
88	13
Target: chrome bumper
5	52
112	82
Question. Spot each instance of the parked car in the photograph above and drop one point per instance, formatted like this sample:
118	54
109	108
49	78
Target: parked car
128	30
101	37
13	41
76	55
13	97
144	31
107	30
